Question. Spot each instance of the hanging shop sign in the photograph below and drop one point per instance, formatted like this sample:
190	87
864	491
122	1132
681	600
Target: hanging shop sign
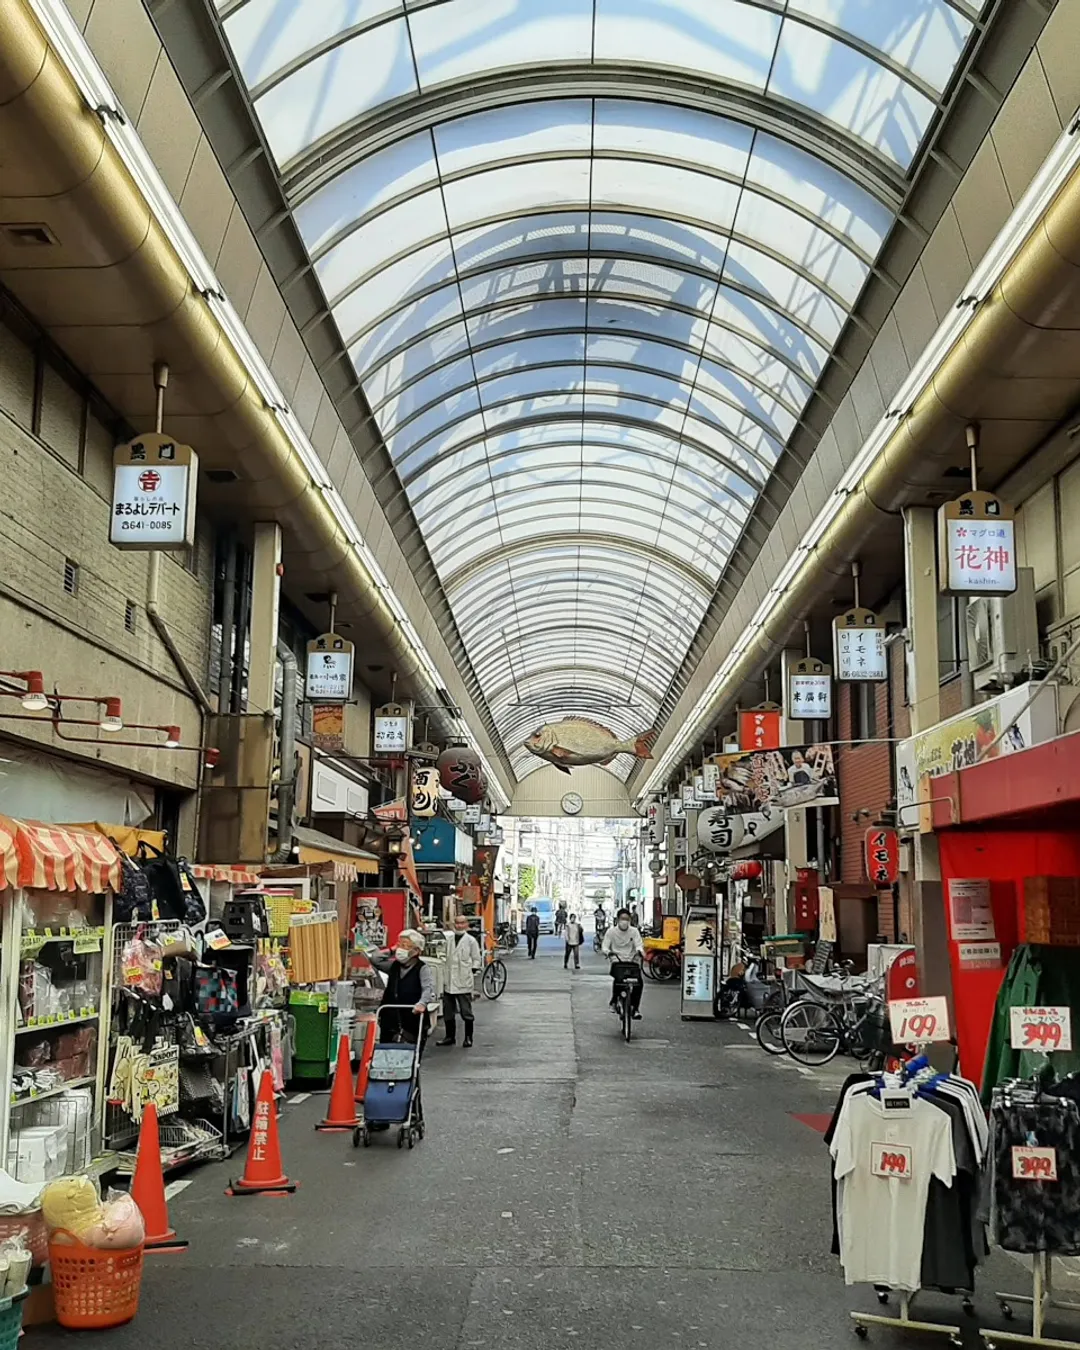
393	730
710	776
977	546
794	775
810	689
1041	1030
881	849
689	799
971	910
675	808
859	646
328	726
718	831
701	792
654	820
484	822
759	728
329	669
426	792
472	813
461	774
155	479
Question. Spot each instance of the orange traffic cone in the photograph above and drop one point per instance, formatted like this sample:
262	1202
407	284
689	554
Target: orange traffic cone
342	1114
263	1172
148	1188
365	1061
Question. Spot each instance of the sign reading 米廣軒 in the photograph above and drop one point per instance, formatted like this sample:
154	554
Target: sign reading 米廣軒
859	646
759	728
977	546
153	500
329	669
810	689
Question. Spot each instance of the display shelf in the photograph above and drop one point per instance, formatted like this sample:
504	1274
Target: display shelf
33	939
16	1102
48	1024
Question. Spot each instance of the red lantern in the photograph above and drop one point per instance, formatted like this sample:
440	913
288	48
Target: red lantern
460	773
746	871
882	855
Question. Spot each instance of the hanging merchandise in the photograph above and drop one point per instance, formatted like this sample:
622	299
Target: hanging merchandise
163	875
907	1151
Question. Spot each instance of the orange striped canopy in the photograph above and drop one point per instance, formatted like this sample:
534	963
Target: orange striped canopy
56	857
237	875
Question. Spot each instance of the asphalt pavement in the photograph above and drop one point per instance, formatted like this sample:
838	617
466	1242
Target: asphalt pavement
572	1191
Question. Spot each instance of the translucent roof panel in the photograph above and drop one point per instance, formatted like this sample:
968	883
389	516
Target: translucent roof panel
588	326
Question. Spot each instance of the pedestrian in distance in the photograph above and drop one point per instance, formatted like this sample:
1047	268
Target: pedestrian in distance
560	919
532	932
575	936
462	967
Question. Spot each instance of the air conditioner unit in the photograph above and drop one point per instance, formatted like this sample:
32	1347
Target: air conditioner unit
1003	635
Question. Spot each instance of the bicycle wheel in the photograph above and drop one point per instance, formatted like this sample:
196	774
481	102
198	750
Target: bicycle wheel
767	1032
494	981
810	1033
665	967
627	1018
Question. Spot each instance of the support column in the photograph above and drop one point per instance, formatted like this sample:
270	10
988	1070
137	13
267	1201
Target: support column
796	848
265	600
930	931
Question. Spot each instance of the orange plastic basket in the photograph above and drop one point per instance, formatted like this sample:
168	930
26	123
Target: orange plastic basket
94	1288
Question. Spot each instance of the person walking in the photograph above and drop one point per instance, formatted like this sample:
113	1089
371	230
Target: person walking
532	932
560	918
575	936
462	967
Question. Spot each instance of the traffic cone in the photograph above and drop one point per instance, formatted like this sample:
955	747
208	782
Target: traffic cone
365	1061
263	1173
342	1114
148	1188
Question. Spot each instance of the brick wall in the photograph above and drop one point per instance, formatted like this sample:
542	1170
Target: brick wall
54	507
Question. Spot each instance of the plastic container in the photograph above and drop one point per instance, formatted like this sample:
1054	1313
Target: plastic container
11	1311
93	1289
32	1228
314	1045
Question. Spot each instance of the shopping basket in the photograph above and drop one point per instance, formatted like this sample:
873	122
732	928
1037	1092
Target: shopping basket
93	1288
11	1310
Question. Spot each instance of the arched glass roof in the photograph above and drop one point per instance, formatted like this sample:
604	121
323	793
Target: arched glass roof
588	323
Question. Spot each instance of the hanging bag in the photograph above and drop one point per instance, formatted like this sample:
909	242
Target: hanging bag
134	902
194	904
163	874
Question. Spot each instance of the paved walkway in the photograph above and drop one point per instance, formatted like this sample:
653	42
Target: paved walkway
573	1191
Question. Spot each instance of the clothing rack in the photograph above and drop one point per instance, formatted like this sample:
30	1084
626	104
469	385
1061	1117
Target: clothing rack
863	1320
1041	1300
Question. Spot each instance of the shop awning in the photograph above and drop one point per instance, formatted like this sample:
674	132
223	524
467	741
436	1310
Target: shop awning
125	837
56	857
316	847
235	875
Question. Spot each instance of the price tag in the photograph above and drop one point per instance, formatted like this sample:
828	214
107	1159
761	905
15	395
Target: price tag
918	1021
1034	1164
891	1161
1042	1029
32	943
86	942
218	942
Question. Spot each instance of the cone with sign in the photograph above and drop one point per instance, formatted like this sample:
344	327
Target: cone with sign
342	1114
263	1172
366	1054
148	1188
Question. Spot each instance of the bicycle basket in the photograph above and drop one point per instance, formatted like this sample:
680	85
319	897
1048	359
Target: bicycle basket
626	972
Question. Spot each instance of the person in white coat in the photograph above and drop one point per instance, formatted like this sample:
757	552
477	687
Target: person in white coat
463	964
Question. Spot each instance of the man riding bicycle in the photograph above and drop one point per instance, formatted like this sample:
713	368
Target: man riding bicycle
623	945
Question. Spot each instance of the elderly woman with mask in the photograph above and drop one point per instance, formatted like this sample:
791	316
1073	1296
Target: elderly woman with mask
409	982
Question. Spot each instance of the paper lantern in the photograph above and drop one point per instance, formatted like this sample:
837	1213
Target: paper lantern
460	773
746	871
425	792
719	831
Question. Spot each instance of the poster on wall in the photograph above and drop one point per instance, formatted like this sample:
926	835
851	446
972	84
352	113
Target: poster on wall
328	725
971	914
794	775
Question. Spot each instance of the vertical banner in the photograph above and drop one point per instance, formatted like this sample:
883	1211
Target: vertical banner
701	944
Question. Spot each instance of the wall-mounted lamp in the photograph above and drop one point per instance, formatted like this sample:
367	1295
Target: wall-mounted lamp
111	719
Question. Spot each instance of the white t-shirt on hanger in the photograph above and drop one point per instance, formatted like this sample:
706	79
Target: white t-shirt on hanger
884	1157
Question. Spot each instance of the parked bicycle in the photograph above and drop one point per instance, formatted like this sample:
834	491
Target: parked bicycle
506	937
493	980
813	1031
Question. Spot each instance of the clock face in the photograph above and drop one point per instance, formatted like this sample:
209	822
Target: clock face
572	803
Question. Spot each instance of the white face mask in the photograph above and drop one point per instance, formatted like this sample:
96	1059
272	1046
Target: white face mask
624	924
403	954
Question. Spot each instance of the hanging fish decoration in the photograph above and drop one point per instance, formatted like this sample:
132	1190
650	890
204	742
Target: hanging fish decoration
576	741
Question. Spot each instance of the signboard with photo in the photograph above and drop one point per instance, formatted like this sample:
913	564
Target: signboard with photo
794	775
329	669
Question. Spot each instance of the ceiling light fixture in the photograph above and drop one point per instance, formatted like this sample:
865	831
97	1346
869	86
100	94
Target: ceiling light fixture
111	719
75	53
1061	162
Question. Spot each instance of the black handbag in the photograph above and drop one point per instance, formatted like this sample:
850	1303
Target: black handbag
163	874
134	902
194	904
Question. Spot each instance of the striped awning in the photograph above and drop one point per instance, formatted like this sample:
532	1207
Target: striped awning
56	857
234	875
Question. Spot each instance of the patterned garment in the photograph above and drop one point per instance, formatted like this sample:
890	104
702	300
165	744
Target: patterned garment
1036	1216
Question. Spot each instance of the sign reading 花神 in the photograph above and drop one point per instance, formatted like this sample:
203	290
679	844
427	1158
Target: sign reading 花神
794	775
153	501
810	689
859	646
329	669
977	546
393	730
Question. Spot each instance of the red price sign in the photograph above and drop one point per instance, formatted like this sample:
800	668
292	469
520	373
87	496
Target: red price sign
892	1161
1042	1030
918	1021
1034	1164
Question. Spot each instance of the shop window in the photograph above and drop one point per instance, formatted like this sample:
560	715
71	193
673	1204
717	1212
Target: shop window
71	576
864	725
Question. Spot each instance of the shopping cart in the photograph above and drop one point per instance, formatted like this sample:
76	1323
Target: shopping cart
392	1095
